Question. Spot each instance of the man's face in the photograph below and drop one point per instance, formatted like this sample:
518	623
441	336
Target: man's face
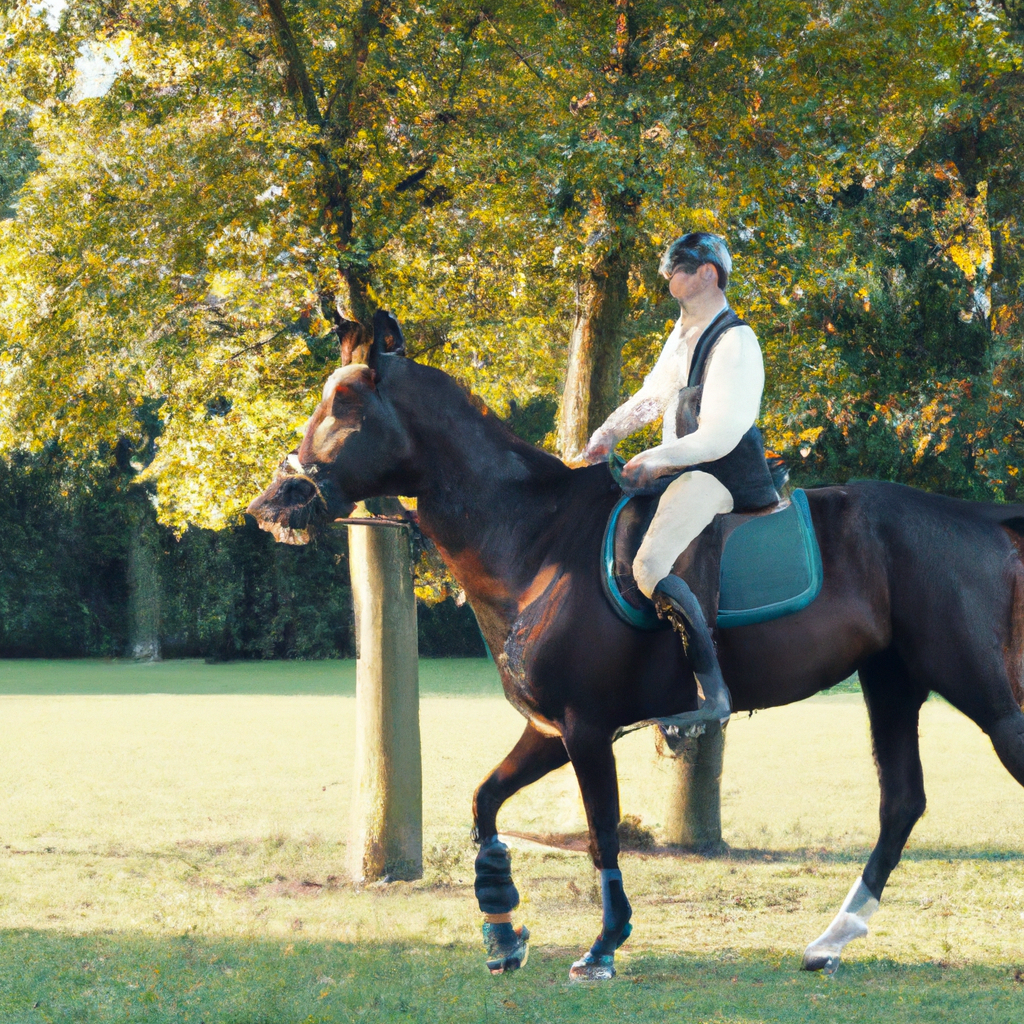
686	285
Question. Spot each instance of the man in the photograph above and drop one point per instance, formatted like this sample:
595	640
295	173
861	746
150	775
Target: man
712	362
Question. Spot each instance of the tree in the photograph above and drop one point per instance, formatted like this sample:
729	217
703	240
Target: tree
648	119
198	233
504	177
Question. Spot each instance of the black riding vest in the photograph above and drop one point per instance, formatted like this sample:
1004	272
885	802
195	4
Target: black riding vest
744	470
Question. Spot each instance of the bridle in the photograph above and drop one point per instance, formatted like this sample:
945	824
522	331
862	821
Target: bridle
315	474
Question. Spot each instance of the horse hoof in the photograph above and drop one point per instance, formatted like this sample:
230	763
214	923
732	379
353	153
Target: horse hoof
590	968
508	965
508	948
827	962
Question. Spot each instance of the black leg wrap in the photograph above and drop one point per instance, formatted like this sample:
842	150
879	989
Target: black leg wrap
615	926
494	889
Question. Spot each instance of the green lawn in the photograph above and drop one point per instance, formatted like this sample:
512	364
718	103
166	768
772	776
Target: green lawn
452	676
172	841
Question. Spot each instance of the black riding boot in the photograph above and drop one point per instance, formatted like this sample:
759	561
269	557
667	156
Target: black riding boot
680	602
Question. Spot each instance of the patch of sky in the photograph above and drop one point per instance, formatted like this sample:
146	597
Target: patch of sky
98	63
96	69
51	10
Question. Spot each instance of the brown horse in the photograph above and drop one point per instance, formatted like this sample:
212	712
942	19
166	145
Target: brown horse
921	593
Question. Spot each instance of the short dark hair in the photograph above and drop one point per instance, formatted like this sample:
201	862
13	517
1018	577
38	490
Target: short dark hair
693	251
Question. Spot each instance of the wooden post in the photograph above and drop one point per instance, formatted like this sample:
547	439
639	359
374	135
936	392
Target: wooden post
694	818
387	802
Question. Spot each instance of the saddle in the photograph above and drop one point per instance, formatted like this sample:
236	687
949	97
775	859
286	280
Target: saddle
746	567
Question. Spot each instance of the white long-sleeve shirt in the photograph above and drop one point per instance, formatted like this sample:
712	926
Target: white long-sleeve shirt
730	402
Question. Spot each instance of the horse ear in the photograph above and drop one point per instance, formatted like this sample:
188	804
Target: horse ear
387	337
353	343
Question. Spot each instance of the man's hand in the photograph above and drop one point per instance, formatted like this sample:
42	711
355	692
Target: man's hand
598	447
642	470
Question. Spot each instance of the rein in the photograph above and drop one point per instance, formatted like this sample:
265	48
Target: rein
374	521
416	538
311	473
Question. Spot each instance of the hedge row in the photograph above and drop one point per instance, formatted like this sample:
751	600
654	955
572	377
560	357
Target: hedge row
235	593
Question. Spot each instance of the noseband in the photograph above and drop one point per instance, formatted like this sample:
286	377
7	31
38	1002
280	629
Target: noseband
316	474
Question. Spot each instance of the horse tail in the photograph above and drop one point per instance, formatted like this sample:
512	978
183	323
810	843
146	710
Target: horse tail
1010	516
1015	523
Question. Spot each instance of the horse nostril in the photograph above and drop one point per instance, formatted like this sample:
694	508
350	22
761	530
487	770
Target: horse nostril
299	490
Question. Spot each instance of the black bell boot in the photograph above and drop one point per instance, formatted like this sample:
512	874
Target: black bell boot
680	604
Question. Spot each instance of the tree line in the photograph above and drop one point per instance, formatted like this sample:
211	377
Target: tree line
86	571
188	245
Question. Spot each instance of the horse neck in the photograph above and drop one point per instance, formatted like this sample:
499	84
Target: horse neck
486	498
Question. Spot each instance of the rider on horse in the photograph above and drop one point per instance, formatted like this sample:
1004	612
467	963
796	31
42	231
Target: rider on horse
712	363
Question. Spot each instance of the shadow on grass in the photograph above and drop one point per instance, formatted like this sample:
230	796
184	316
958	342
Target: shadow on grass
804	855
577	842
50	976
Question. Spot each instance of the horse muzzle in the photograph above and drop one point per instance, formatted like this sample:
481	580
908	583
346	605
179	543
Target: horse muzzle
297	507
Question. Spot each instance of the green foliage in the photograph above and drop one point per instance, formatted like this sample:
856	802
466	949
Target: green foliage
191	239
224	594
234	593
448	631
62	562
17	158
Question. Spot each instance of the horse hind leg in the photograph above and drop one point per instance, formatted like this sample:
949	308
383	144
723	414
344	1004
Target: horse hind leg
1005	723
894	705
990	693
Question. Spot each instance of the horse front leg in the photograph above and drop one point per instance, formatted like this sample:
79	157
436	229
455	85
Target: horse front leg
530	759
894	705
590	750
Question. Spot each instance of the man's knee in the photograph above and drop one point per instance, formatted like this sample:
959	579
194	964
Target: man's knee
649	571
687	506
706	493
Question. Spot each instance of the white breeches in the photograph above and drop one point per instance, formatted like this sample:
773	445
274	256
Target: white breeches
689	503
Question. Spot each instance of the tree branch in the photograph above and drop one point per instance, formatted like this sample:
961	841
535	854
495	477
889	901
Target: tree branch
298	83
522	59
257	345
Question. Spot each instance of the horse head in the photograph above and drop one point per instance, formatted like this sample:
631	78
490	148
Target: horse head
355	445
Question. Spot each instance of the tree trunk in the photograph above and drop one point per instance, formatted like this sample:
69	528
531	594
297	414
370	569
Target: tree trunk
694	817
387	812
143	589
595	353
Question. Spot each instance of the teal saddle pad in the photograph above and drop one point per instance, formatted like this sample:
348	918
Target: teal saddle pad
771	566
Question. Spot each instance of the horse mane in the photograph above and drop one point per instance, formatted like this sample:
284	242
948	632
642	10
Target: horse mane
457	397
524	504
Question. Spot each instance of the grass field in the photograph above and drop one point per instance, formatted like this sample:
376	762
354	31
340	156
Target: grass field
172	840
